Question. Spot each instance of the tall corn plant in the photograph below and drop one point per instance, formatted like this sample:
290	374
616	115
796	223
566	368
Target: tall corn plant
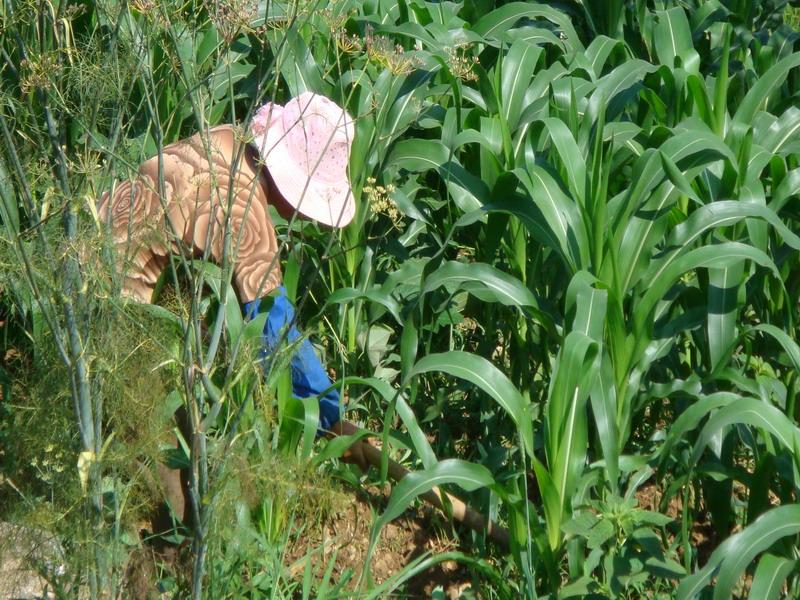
635	183
572	267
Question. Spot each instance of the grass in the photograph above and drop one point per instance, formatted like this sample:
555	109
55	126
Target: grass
570	288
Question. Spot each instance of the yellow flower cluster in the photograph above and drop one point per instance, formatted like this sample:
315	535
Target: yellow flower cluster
52	463
461	62
39	72
379	199
233	17
349	44
381	52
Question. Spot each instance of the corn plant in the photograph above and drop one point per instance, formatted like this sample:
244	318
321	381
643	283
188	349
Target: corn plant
569	293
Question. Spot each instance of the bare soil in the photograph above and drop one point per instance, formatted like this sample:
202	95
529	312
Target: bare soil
344	537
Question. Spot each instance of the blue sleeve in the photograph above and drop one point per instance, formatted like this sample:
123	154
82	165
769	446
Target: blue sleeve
308	375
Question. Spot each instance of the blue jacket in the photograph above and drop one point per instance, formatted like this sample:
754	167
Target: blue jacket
308	375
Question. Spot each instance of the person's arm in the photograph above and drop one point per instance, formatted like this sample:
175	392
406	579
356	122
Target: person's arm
309	377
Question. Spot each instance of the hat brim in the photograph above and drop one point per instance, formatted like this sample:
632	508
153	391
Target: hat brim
329	204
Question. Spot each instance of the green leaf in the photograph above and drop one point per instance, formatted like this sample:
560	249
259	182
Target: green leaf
551	501
690	419
723	214
570	155
603	399
598	52
518	66
418	155
758	96
559	212
490	283
746	411
376	295
8	203
662	278
480	372
297	65
673	38
789	345
310	423
610	89
390	395
234	321
790	186
468	476
783	131
677	178
723	288
770	576
566	435
729	561
595	530
500	20
639	222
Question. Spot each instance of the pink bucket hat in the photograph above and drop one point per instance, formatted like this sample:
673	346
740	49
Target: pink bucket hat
305	145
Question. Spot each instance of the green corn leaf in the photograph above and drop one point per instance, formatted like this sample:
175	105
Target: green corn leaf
500	20
677	178
790	186
609	95
518	67
533	220
571	157
732	557
551	502
673	39
770	576
637	233
755	413
480	372
468	476
310	423
417	155
723	214
718	255
789	345
758	96
486	282
702	102
599	51
777	139
603	400
722	310
531	35
376	295
390	395
574	375
298	67
559	212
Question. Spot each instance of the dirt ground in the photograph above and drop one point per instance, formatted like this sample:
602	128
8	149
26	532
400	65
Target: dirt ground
346	534
343	537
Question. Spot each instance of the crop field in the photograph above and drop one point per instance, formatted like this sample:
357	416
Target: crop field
569	298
